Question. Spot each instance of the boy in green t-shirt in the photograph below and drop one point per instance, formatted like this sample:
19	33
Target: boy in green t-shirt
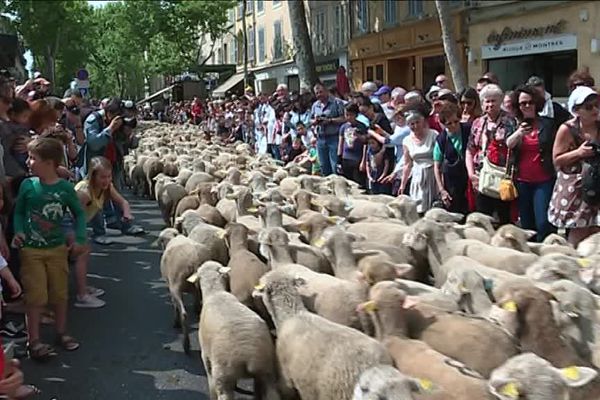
44	254
313	156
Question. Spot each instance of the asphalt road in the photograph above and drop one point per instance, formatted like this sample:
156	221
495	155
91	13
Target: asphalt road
129	349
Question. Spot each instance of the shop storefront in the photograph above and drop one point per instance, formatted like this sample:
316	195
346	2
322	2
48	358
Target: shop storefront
550	42
267	79
327	68
410	55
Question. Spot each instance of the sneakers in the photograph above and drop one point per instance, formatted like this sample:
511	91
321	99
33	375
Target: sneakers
88	301
94	291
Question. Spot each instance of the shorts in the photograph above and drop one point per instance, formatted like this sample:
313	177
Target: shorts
44	275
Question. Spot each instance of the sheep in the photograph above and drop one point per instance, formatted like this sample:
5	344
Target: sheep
170	195
235	342
152	167
589	246
512	237
310	362
385	382
528	376
180	259
413	357
213	238
246	268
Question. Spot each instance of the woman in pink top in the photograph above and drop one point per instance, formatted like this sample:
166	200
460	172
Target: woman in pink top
531	157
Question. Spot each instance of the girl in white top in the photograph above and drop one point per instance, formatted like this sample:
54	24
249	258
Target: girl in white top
418	162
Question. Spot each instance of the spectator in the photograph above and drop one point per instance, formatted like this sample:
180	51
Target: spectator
341	82
300	112
15	142
282	92
327	116
507	104
368	89
581	77
353	137
487	143
449	160
367	108
433	98
418	162
531	148
571	148
471	108
446	97
441	81
413	97
44	253
551	109
378	167
264	117
383	94
196	110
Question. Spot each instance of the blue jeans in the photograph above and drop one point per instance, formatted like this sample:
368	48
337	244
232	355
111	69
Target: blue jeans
114	217
327	151
534	199
274	150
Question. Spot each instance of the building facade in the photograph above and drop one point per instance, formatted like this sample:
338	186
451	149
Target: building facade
329	27
549	39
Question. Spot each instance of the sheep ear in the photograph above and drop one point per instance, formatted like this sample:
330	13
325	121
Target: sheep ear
422	386
577	376
402	269
193	278
356	237
530	233
224	270
359	254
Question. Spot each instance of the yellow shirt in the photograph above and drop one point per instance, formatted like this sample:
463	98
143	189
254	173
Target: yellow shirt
96	203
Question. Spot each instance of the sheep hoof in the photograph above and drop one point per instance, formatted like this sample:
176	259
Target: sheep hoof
186	345
177	324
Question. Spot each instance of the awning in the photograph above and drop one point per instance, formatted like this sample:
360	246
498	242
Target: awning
155	95
228	85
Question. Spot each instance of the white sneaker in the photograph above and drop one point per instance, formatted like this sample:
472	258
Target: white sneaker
88	301
94	291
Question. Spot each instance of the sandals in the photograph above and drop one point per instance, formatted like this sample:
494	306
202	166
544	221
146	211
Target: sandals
67	343
40	351
26	391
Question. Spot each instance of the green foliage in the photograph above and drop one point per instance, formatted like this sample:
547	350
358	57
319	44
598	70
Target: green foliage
121	43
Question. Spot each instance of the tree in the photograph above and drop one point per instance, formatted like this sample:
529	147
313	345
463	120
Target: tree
245	42
456	66
307	71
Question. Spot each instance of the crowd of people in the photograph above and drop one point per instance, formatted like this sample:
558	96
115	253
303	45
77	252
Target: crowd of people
61	170
517	155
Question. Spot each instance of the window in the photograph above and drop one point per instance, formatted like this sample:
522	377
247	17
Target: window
277	41
225	53
379	72
261	45
260	6
338	27
250	44
363	22
390	11
370	73
231	15
240	8
249	7
319	31
233	51
276	3
415	8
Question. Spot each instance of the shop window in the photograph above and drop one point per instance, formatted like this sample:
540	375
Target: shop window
554	68
370	74
432	67
379	72
415	8
293	83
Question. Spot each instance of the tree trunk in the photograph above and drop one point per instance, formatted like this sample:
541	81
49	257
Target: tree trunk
303	54
245	44
50	66
451	49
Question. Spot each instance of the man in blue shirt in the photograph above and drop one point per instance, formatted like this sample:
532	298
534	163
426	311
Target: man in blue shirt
327	115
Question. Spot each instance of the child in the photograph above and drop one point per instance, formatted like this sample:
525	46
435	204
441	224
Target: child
93	193
378	166
15	144
44	263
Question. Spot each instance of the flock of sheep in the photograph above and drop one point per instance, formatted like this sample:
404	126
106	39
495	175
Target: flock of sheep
320	292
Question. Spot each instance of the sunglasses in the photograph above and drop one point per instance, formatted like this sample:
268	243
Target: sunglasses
525	103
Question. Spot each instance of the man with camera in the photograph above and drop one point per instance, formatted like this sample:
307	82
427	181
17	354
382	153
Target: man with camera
109	133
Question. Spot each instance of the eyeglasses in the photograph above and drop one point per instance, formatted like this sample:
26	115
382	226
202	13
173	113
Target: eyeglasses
525	103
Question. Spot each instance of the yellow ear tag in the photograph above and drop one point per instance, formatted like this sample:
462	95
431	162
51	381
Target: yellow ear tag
370	306
510	306
253	209
584	262
193	278
260	286
571	373
320	242
426	384
333	220
510	390
221	234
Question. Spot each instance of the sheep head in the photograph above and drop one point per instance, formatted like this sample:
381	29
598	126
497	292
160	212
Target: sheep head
386	382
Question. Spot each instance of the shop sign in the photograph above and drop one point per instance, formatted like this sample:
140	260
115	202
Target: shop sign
546	45
328	67
507	35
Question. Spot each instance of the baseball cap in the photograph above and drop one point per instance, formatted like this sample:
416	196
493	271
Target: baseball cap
579	95
535	81
368	87
385	89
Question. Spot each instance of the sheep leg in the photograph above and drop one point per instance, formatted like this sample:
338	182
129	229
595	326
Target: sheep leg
212	393
180	307
223	384
265	388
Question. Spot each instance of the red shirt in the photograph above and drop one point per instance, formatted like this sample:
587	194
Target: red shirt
530	160
196	109
434	123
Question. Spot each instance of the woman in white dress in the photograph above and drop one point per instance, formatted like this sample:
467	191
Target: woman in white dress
418	162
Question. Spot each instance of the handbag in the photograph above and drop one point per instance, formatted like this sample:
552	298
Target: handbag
508	190
490	177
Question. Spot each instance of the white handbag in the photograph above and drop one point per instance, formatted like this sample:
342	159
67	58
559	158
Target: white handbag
490	177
